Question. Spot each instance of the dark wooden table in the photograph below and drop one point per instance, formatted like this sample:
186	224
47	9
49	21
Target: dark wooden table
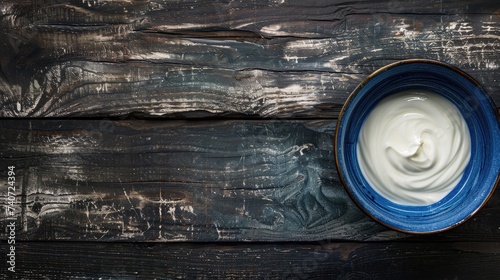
193	139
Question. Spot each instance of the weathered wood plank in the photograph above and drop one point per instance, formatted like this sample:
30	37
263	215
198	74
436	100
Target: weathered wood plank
323	260
180	59
171	181
188	181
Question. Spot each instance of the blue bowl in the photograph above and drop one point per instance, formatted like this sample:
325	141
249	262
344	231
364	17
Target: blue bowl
481	175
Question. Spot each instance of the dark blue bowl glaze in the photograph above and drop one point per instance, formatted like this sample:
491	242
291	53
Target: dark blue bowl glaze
480	176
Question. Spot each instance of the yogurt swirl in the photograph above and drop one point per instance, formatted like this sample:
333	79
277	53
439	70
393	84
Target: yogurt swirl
413	147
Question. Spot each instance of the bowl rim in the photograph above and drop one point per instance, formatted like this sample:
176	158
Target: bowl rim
340	118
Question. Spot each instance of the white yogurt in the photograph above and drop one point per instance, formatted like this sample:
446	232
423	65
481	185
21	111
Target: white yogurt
413	147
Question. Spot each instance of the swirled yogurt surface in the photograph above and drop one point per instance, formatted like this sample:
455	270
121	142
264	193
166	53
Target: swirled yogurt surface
413	147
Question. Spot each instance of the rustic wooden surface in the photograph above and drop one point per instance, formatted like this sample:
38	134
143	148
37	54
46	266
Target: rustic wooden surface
272	58
193	139
326	260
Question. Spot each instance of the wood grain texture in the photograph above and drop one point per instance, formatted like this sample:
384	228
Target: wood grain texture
285	59
322	260
179	181
136	180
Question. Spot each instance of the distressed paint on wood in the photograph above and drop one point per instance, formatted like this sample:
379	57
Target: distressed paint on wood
180	181
321	260
263	59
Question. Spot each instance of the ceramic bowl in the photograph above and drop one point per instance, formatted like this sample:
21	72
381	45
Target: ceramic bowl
481	174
